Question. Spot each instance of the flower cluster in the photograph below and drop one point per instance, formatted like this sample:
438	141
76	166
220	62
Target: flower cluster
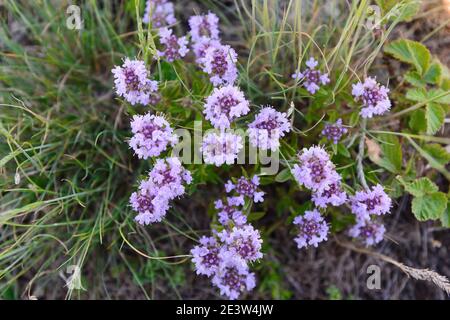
365	205
221	148
165	182
175	48
230	211
267	128
204	27
369	231
219	62
334	131
312	78
225	105
246	187
373	96
201	46
370	202
315	171
151	135
312	229
225	256
132	82
161	11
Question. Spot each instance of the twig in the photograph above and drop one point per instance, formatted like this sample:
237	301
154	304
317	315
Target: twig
360	157
418	274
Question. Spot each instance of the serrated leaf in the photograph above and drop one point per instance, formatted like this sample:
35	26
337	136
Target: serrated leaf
433	74
430	206
283	176
405	10
432	95
419	187
411	52
414	78
417	121
435	116
438	153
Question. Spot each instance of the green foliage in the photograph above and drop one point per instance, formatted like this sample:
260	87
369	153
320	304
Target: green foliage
410	52
428	202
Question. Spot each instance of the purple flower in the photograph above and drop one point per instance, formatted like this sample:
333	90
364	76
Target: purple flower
162	13
312	78
246	187
132	83
312	229
150	205
230	211
224	105
204	26
368	231
233	276
206	256
220	63
334	195
244	241
334	131
201	46
221	148
175	48
370	202
151	135
267	128
374	97
169	176
315	171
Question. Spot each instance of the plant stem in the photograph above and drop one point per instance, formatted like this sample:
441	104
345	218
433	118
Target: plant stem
360	157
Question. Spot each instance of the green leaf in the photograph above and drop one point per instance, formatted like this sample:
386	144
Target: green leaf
430	206
433	74
445	217
414	78
432	95
419	187
436	151
283	176
417	121
435	116
405	10
254	216
411	52
342	150
392	153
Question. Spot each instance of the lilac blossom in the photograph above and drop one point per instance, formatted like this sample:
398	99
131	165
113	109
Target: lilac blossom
312	78
169	176
220	63
334	196
370	232
312	229
233	276
267	128
152	135
244	241
204	26
150	205
221	148
246	187
162	13
334	131
206	256
230	211
175	48
370	202
132	82
315	171
224	105
373	96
